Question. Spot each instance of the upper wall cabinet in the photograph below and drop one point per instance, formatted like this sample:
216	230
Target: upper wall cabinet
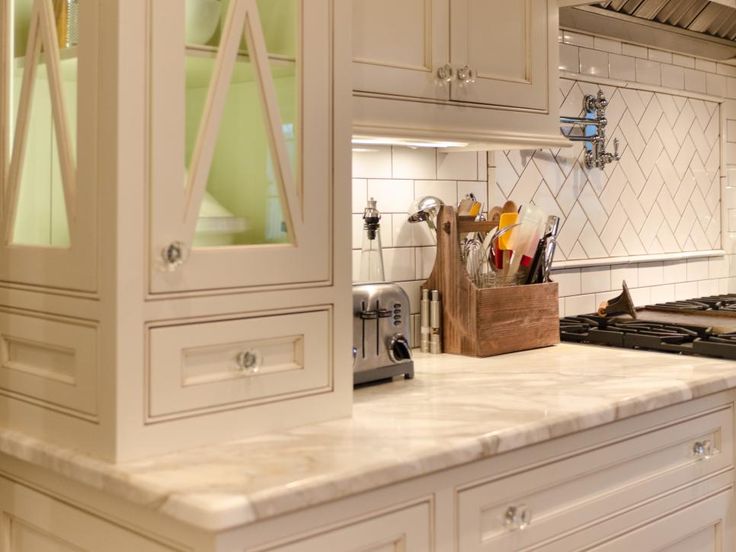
241	171
481	72
48	196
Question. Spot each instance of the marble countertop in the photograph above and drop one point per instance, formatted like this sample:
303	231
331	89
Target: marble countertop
456	410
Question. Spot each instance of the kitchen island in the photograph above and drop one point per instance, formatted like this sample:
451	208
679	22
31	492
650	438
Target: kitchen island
418	453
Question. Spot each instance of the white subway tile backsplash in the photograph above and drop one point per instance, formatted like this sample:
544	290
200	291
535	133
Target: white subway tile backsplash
425	258
595	279
730	87
407	234
446	190
675	272
627	273
660	55
633	50
414	163
697	269
360	194
593	62
607	45
683	61
392	196
578	39
457	165
399	264
718	267
662	294
568	281
569	58
715	85
580	304
372	162
484	161
695	81
648	72
727	70
622	67
641	296
673	77
707	287
705	65
651	274
686	290
731	130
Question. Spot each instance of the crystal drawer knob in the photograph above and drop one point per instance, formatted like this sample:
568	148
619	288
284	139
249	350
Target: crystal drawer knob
249	362
517	517
174	255
703	450
445	73
466	75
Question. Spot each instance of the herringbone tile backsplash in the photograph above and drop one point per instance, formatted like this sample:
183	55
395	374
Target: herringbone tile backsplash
662	197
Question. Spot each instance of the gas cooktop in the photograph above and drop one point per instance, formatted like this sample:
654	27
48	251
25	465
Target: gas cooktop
656	335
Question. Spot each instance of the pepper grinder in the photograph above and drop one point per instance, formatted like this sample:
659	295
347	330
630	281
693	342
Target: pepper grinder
371	256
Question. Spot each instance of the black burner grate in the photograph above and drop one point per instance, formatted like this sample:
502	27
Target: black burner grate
656	336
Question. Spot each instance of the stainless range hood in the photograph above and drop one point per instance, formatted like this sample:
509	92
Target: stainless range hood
702	28
700	16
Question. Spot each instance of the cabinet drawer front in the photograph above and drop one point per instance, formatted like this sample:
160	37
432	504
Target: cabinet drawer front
700	527
236	363
52	363
406	530
565	495
33	522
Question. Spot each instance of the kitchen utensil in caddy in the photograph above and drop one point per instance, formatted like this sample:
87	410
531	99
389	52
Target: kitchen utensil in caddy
381	329
487	321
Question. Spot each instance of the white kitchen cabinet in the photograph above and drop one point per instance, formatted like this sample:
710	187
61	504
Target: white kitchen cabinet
33	522
398	47
48	147
700	527
661	481
466	71
240	136
171	269
505	44
405	530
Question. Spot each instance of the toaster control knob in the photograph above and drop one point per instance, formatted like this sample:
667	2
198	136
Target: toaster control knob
399	349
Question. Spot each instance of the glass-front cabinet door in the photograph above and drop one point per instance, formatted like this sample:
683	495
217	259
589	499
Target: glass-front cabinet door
48	155
240	167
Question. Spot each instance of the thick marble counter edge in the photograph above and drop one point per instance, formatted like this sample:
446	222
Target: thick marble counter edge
457	410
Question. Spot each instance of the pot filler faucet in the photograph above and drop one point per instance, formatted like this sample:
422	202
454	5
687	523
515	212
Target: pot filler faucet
593	125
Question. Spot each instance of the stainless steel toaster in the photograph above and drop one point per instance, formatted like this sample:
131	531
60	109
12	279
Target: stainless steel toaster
381	328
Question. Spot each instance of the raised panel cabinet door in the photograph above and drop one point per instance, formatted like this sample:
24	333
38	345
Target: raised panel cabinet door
405	530
48	145
701	527
504	43
33	522
241	138
398	47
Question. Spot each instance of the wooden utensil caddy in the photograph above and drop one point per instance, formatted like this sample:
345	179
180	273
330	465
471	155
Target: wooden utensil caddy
490	321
